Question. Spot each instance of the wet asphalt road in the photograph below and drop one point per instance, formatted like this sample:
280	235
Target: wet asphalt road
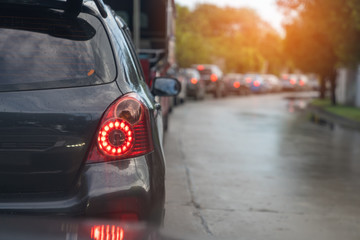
256	168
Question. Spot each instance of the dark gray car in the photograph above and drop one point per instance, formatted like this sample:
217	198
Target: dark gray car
194	86
80	132
212	76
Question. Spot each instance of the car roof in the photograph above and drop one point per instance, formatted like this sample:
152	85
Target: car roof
71	8
206	66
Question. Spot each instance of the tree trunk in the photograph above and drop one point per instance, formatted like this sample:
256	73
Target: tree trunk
332	79
322	89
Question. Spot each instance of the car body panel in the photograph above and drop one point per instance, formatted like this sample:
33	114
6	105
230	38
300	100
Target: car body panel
45	135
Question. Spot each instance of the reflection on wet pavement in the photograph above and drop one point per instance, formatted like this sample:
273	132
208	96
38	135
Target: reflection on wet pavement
259	170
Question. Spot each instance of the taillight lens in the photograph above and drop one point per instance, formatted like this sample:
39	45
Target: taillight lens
200	68
213	77
292	81
248	80
124	131
193	80
301	83
236	84
256	83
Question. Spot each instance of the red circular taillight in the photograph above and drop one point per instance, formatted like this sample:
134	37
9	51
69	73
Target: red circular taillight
116	137
214	77
236	84
193	80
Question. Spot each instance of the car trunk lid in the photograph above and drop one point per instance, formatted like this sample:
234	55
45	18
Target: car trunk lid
45	135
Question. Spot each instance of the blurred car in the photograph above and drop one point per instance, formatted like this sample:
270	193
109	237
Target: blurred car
181	97
314	83
303	82
213	79
194	87
273	82
80	134
289	82
235	83
258	83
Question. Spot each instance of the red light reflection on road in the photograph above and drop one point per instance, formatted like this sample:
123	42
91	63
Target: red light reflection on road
107	232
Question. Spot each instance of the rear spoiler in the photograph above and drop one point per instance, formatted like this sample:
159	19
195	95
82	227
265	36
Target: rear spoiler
71	7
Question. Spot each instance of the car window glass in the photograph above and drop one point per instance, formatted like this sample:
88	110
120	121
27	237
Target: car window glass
58	52
132	57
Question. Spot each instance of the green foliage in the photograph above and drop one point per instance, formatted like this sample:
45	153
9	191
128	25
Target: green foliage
238	38
325	34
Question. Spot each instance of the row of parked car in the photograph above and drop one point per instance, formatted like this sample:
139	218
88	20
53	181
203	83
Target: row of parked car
207	78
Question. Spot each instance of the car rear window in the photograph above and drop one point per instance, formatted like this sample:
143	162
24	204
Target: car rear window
43	49
205	72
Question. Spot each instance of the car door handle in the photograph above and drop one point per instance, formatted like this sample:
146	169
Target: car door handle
157	106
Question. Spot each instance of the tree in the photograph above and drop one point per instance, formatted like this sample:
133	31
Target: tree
323	36
237	37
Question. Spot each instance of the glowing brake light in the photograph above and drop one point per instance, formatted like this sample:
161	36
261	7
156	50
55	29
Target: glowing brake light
301	83
236	84
292	81
107	232
248	79
213	77
193	80
116	137
256	83
124	131
200	68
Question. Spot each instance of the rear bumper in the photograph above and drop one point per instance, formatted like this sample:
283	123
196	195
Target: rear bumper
288	87
256	89
211	86
103	190
231	88
192	90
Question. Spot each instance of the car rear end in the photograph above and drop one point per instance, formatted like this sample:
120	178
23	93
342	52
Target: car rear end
289	82
303	83
233	83
72	141
194	85
258	84
212	77
273	82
